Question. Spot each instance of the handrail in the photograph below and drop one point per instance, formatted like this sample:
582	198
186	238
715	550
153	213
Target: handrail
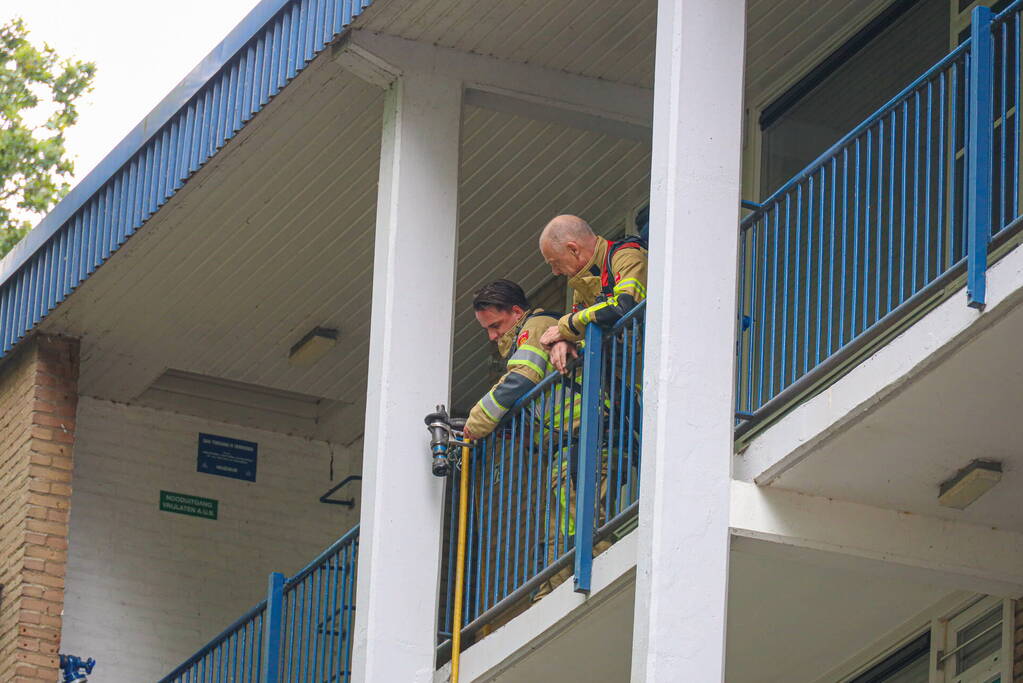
265	629
1004	14
637	310
215	641
322	557
553	376
907	207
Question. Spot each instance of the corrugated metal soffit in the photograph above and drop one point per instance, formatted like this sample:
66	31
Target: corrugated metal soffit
274	54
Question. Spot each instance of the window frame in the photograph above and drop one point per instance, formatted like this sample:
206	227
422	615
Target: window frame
902	655
941	621
997	667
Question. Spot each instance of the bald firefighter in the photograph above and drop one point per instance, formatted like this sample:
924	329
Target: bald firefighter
608	279
502	309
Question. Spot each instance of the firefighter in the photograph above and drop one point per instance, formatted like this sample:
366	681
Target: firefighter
608	278
502	309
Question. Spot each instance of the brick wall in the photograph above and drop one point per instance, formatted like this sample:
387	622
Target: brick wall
38	397
146	588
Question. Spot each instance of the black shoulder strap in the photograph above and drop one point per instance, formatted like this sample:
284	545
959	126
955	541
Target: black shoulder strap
628	242
544	314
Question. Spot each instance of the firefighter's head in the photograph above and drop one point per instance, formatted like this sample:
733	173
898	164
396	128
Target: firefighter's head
499	306
567	244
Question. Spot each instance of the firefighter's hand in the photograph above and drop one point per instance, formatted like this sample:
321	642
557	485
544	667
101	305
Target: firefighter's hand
466	434
561	353
551	337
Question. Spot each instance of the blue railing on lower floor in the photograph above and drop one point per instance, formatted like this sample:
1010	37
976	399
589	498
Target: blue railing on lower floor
318	614
557	474
300	633
235	655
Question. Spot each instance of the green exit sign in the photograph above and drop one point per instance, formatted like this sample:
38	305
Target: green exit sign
184	504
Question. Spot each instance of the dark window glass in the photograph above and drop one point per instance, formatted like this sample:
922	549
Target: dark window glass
909	664
982	638
854	90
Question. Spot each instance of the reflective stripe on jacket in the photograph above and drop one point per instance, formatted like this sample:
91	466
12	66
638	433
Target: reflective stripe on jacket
628	274
527	363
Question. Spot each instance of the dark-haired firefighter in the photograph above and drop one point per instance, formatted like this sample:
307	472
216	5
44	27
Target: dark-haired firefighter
504	312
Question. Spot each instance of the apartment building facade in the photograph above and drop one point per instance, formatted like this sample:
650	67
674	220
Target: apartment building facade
218	351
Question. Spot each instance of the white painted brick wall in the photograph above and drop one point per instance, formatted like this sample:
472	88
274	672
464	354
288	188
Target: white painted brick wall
146	588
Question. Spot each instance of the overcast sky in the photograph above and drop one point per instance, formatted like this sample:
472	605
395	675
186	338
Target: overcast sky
142	49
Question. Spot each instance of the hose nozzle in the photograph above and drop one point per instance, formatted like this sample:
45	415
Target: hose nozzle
439	425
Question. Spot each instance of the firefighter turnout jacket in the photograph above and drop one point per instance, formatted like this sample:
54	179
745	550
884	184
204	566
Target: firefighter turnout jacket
527	364
606	288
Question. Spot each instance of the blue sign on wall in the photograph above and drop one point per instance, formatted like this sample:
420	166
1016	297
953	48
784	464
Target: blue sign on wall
227	457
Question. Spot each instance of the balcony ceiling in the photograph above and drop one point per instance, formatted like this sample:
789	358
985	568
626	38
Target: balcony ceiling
615	41
914	411
275	235
965	406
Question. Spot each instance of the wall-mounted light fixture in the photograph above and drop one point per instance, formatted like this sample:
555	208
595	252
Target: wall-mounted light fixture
969	484
317	342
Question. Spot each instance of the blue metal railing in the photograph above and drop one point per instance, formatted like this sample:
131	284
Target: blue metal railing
300	633
235	655
858	232
620	415
560	470
1005	83
881	220
518	519
318	614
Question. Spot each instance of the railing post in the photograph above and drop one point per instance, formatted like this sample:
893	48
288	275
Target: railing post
272	629
589	455
978	177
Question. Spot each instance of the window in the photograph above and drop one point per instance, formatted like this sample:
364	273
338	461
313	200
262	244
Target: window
979	641
967	645
974	645
856	80
909	664
961	10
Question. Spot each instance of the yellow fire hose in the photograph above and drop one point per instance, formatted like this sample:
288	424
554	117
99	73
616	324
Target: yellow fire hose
456	631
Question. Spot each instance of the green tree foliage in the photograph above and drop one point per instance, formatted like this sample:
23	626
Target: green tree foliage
34	166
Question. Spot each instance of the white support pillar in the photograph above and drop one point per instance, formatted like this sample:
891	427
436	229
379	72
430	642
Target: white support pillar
682	557
409	373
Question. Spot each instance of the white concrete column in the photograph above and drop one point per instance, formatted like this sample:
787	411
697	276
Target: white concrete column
682	558
409	372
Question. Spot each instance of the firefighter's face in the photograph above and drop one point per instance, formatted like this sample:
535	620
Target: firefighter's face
496	322
564	259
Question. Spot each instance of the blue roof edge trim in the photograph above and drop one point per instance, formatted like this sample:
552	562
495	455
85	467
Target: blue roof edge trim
264	52
139	135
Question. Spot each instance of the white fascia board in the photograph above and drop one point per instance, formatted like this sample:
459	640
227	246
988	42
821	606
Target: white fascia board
877	540
522	89
918	349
